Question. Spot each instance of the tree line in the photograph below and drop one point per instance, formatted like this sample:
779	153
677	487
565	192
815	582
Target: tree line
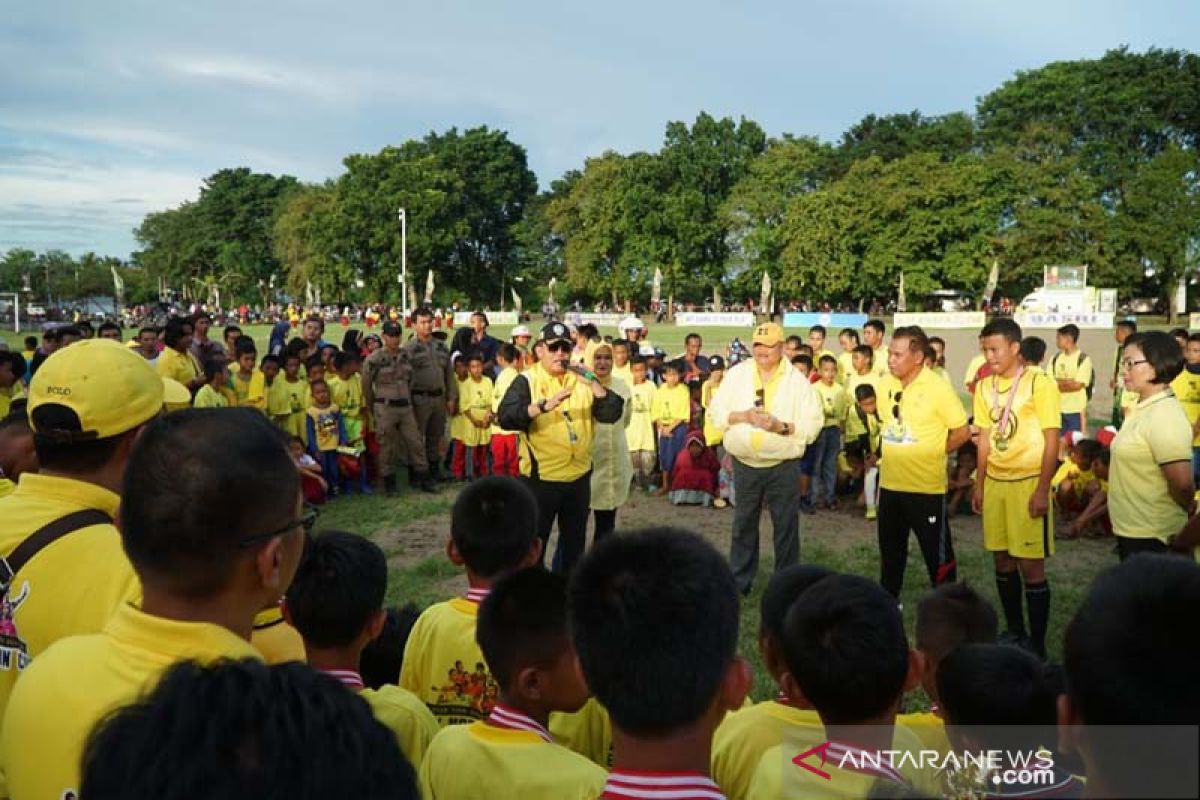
1089	161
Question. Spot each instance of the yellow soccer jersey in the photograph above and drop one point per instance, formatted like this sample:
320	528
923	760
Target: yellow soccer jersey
458	423
916	419
482	762
746	734
208	397
1073	367
671	404
1187	389
833	403
474	397
278	641
403	713
859	422
1016	452
251	390
444	666
640	433
279	404
1139	503
587	732
854	380
346	394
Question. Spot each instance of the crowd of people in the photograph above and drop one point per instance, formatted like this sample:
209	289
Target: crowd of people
161	579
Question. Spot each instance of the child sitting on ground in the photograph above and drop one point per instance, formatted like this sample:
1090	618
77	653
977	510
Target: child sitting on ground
694	479
863	429
336	603
493	531
312	482
522	631
961	481
1093	521
1070	483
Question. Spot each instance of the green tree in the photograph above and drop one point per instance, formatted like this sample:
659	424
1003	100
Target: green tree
305	244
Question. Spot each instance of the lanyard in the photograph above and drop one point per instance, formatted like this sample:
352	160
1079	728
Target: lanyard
1012	396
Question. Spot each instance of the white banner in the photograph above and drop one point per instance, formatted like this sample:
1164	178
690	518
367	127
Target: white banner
1100	320
1194	321
463	318
733	319
941	320
597	319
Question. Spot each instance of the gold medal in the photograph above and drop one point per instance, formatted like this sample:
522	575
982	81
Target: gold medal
1001	444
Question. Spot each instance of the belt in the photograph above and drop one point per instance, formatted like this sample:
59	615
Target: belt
401	403
428	392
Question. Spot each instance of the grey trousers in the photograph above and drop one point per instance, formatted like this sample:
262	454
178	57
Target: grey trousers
778	488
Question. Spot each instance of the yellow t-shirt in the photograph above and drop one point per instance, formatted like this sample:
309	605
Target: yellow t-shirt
672	404
278	641
1139	503
475	397
914	443
208	397
845	366
79	680
346	394
489	763
7	395
7	487
587	732
503	381
298	399
1016	452
856	427
279	404
625	373
834	403
326	427
879	361
1073	367
854	380
712	434
1079	478
403	713
179	366
744	735
251	391
444	666
928	727
74	585
640	433
458	422
1187	388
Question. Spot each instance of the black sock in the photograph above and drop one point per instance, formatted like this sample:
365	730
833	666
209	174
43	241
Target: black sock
1037	596
1008	586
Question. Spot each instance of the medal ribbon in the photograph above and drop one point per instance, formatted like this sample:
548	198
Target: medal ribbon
1012	395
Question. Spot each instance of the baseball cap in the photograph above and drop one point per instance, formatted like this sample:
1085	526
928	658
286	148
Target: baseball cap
521	330
716	362
769	334
392	329
556	331
109	387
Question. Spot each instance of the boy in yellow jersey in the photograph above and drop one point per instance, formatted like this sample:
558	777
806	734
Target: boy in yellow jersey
848	339
278	404
816	341
671	411
475	431
624	594
1072	369
1073	477
874	337
1187	388
864	428
621	358
1093	520
744	735
314	369
325	433
505	460
212	393
1017	412
493	531
246	378
346	392
640	433
336	603
204	576
862	370
458	420
522	631
846	653
292	383
12	368
834	405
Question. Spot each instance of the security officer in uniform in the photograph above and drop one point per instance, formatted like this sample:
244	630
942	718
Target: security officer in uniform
387	392
434	388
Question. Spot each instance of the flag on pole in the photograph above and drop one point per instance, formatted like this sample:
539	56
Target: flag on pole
118	282
656	287
992	282
765	294
516	300
901	296
553	283
429	287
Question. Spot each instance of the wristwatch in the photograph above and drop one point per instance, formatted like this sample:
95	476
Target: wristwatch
542	405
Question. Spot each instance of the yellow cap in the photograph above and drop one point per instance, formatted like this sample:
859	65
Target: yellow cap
769	333
109	387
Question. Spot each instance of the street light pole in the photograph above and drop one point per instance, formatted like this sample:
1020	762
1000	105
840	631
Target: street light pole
403	264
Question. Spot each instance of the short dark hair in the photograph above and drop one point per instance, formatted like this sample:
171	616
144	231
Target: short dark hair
953	614
108	325
314	318
844	644
338	588
474	355
228	329
637	360
1090	449
31	342
803	359
878	325
212	367
199	315
864	391
827	359
243	345
147	329
794	340
480	314
383	656
937	340
199	481
817	329
508	351
175	329
782	590
344	358
229	727
851	333
865	351
1070	329
1192	337
620	343
693	335
523	622
1178	333
15	361
1033	349
422	311
494	524
1003	696
1129	324
1162	351
667	595
313	361
917	340
673	366
1003	326
270	359
63	453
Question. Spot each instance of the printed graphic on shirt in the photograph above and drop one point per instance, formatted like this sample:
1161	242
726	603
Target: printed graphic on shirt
466	696
13	650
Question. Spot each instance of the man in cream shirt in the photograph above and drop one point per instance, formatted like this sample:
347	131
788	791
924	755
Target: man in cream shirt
769	414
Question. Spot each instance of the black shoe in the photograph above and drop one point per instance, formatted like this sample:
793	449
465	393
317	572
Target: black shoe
426	483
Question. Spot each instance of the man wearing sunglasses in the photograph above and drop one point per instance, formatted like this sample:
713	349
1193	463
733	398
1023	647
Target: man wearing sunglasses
212	522
770	414
554	405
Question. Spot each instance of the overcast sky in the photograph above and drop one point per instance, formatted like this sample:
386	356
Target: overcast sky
112	109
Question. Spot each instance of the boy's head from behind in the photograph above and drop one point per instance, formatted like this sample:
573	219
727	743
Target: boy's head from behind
951	615
522	632
846	652
336	598
493	528
668	597
782	590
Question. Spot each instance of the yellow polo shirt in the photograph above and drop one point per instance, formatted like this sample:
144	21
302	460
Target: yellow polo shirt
7	395
914	433
1139	503
672	404
278	641
834	403
73	585
483	762
79	680
403	713
208	397
180	366
1073	367
1035	408
744	735
444	666
1187	388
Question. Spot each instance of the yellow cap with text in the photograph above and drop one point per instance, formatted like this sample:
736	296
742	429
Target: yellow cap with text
769	334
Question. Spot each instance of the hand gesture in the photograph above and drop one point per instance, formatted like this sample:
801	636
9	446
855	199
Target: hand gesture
557	399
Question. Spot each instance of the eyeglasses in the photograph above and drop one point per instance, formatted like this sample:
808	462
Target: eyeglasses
560	347
1131	364
306	522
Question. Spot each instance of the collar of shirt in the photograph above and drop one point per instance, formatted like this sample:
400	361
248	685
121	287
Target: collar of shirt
67	491
178	641
510	719
629	785
477	595
347	677
1149	401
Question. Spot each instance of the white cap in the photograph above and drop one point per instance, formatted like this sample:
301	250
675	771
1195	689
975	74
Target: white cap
521	330
631	324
